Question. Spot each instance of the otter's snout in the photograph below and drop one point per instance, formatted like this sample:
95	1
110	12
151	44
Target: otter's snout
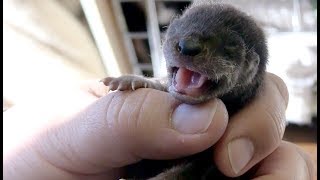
189	47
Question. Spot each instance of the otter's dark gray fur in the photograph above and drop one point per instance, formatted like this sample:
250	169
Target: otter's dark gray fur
212	50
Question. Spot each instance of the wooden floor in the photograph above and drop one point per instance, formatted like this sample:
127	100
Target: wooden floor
305	137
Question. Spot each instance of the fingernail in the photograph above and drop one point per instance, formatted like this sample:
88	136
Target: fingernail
240	153
192	119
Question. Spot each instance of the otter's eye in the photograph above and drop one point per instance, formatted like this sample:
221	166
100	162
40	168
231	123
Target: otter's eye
232	43
231	48
232	51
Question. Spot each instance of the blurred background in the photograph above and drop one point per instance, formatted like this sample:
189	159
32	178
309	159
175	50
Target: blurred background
66	41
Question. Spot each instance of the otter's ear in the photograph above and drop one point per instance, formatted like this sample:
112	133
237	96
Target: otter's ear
252	58
251	65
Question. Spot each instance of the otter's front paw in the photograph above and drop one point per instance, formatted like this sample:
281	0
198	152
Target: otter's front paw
127	82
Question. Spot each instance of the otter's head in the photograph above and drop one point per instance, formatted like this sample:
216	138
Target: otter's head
212	50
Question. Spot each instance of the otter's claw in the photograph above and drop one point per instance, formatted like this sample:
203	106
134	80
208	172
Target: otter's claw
128	82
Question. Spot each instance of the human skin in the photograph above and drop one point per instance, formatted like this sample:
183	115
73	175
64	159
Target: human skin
85	133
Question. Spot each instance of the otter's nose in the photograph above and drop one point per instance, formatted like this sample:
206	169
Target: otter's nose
189	47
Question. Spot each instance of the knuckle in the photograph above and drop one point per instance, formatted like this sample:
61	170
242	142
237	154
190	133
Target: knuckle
278	123
281	86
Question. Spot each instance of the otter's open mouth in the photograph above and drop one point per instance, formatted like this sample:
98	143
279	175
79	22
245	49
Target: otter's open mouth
191	83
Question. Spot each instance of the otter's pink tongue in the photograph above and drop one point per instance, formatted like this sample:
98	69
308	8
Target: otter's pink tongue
187	81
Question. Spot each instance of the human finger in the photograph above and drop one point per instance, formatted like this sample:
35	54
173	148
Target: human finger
255	131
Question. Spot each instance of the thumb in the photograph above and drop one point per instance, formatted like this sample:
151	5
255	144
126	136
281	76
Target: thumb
125	127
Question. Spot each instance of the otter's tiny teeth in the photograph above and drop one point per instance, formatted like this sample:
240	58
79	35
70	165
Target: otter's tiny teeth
132	86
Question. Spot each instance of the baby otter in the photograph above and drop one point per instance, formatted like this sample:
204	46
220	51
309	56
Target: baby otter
212	50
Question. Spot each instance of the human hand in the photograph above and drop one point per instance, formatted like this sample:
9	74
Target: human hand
83	135
72	134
